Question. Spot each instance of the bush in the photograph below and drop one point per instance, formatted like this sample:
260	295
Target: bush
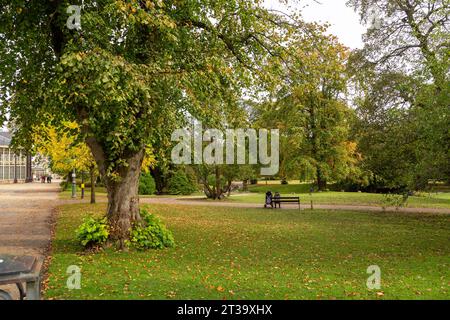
150	233
93	232
179	183
395	200
64	185
147	184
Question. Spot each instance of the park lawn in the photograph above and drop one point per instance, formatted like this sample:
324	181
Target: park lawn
232	253
439	201
100	192
435	200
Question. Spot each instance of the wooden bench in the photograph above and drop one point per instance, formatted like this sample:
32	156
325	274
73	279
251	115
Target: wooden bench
280	200
18	270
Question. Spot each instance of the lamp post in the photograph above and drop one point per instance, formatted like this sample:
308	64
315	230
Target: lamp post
74	184
15	168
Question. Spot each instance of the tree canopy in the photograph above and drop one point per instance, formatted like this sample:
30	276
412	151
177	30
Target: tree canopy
130	64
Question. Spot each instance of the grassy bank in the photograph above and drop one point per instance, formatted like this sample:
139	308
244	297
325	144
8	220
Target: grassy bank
227	253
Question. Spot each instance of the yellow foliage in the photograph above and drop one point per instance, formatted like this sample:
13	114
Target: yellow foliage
149	160
62	148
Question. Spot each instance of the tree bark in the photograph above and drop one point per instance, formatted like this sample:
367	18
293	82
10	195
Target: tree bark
244	185
123	199
160	180
123	191
321	181
92	173
218	186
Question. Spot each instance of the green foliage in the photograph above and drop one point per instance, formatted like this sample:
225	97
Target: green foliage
403	92
395	200
151	233
146	184
180	183
313	119
174	59
93	232
135	69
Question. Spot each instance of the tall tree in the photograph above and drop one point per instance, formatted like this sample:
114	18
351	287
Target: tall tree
129	61
408	33
406	54
311	113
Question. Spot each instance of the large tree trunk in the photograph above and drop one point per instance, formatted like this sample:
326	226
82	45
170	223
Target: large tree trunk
123	199
123	192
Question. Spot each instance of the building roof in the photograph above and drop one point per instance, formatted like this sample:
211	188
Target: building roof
5	138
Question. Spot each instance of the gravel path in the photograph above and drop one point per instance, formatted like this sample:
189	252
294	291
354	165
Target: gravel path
25	219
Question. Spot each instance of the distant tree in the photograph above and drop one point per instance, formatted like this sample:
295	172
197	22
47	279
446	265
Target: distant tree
311	113
408	34
403	91
217	180
65	153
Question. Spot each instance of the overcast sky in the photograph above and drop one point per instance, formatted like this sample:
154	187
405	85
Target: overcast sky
344	21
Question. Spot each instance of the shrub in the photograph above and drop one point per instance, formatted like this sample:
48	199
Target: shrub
395	200
93	232
151	233
147	184
64	185
179	183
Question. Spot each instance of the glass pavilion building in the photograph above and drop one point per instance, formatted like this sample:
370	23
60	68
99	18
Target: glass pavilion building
14	166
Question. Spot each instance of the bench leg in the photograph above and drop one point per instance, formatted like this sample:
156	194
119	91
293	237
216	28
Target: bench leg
22	293
33	290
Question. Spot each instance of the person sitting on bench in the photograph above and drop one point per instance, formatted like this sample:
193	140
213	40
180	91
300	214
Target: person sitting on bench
277	197
268	200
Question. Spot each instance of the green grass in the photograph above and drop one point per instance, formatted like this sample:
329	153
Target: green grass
231	253
256	195
100	192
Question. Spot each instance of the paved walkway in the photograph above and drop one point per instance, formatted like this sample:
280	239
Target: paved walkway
25	219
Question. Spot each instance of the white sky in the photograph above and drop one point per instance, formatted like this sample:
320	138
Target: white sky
344	21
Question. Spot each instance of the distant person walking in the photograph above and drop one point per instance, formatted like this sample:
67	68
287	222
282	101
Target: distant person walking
49	179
